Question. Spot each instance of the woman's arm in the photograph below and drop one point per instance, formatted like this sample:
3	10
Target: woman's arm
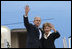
55	33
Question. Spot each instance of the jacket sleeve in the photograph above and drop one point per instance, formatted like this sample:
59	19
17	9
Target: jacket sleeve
26	22
55	35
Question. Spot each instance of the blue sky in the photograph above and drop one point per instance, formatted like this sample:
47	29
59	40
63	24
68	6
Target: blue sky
60	11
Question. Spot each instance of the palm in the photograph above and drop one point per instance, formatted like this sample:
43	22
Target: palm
52	28
26	10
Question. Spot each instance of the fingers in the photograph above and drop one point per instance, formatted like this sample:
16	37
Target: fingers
26	10
51	25
27	7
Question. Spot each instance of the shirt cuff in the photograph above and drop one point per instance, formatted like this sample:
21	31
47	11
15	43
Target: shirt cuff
25	16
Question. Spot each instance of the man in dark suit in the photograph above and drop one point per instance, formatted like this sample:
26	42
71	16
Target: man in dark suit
34	34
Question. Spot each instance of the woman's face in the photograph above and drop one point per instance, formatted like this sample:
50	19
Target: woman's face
47	29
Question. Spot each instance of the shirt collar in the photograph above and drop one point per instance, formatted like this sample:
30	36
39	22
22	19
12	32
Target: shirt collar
47	35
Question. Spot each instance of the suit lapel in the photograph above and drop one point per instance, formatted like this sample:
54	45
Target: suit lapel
37	31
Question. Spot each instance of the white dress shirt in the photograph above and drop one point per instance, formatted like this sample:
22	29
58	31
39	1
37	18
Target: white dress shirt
40	34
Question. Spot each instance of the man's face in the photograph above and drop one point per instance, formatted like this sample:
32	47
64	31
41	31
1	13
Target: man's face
37	21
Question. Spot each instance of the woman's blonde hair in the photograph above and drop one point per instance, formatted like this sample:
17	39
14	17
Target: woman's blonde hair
46	24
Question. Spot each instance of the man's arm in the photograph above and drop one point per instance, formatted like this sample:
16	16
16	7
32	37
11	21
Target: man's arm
26	21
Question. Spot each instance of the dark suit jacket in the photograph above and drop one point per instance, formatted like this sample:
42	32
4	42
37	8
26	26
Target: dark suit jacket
32	35
49	42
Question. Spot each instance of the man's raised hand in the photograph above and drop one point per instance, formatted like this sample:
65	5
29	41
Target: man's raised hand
26	10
